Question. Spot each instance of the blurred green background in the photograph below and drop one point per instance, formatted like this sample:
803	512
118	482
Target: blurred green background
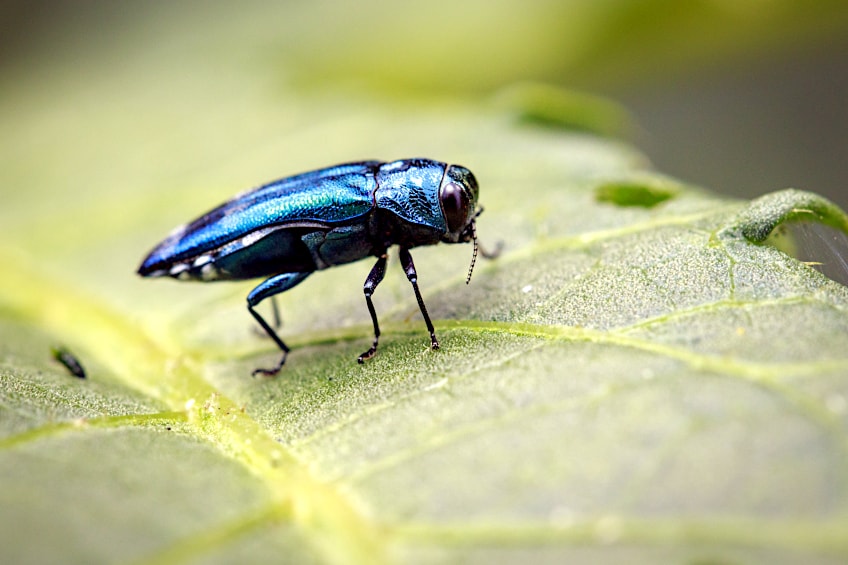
744	97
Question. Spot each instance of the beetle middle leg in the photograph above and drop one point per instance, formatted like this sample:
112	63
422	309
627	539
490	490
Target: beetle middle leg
374	278
412	275
266	289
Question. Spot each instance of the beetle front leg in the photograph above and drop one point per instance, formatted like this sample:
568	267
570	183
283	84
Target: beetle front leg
409	269
374	278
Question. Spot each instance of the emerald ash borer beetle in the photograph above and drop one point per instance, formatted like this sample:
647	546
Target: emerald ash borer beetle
287	229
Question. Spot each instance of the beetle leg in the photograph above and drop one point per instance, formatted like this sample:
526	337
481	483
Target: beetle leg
266	289
374	278
409	269
277	322
276	311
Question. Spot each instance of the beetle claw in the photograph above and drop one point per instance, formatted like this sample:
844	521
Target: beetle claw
372	351
270	372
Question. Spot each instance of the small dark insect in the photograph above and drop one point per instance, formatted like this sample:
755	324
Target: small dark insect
287	229
69	360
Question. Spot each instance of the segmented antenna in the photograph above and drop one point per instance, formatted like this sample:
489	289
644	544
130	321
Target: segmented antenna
474	256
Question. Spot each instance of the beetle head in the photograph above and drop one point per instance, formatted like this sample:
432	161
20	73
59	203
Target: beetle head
458	199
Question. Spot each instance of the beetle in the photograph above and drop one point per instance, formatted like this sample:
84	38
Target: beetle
289	228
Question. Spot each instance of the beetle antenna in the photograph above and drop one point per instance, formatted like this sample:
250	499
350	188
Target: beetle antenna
474	256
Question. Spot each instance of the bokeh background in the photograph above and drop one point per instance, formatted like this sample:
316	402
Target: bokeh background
743	97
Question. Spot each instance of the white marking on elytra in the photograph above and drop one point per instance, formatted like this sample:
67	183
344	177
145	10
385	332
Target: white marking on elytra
393	166
178	269
202	260
253	237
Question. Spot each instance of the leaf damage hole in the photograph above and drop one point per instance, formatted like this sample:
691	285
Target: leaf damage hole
635	193
820	246
802	224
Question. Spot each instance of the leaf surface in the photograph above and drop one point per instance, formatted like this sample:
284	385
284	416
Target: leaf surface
638	376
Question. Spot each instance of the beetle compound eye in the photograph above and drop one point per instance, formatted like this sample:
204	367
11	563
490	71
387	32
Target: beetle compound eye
455	206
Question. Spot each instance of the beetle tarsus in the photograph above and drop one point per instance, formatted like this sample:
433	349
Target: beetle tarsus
271	372
368	354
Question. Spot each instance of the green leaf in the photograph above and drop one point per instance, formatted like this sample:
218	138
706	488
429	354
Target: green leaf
636	377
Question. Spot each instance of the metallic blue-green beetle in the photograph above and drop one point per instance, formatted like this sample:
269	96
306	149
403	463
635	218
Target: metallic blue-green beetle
291	227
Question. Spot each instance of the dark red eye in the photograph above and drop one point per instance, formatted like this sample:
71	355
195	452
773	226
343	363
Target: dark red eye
455	206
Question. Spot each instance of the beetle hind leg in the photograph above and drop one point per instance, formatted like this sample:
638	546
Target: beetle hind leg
273	335
276	323
267	289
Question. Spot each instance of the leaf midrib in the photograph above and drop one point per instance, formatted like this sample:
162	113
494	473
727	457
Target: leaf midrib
325	517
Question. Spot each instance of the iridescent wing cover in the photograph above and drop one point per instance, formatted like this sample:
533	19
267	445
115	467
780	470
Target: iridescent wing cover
326	197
